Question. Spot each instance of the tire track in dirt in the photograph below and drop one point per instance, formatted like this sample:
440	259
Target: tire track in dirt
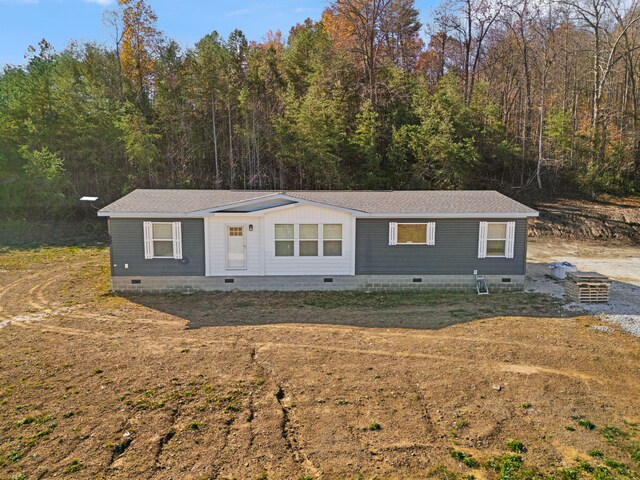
49	276
10	286
288	432
437	335
526	369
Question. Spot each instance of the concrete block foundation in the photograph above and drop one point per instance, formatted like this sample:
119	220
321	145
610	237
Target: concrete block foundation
162	284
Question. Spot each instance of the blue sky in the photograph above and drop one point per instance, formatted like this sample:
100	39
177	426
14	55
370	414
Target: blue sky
25	22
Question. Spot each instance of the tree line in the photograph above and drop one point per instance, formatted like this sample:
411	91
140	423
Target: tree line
514	95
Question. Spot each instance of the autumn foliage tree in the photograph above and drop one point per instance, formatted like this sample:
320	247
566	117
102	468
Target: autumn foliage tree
140	46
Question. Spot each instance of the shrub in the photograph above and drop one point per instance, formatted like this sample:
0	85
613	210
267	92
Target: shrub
374	426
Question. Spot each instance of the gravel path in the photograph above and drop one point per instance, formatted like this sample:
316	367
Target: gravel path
621	264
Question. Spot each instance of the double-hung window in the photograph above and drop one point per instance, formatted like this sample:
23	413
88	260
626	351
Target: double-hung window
308	240
496	239
162	240
332	239
285	239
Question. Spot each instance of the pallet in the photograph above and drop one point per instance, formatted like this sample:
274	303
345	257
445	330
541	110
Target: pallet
587	287
588	277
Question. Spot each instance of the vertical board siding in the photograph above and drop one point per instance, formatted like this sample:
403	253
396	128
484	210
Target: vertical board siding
307	265
127	247
217	239
454	253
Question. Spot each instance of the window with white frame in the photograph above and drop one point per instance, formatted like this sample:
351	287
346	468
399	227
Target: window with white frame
308	240
496	239
285	239
412	233
332	240
162	240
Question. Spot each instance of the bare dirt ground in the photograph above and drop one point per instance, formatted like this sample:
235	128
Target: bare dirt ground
292	386
615	219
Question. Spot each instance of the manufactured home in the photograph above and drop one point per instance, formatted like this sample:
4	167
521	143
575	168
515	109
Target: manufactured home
185	240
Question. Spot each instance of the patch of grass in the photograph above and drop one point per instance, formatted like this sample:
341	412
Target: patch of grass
460	424
566	474
15	456
569	428
583	422
25	421
634	451
305	477
466	459
374	426
511	467
516	446
45	432
595	453
194	425
75	466
230	407
603	473
612	434
18	476
97	371
616	465
585	466
68	414
526	405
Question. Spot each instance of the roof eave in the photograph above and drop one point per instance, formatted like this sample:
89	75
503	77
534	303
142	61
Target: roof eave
448	215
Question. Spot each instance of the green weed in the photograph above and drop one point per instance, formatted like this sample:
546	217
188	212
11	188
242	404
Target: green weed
75	466
516	446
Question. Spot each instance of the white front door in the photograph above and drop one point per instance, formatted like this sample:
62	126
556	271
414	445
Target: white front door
236	247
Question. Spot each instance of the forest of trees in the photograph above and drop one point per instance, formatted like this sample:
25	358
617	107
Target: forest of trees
513	95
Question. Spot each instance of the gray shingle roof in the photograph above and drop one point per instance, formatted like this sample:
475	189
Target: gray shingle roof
419	202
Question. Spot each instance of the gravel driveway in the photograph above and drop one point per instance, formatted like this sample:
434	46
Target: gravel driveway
620	263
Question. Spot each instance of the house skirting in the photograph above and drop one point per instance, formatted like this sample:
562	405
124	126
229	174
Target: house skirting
161	284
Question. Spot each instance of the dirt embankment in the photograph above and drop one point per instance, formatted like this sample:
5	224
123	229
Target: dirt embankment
606	219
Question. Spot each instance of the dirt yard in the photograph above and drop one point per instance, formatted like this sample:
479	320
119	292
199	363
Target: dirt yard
302	386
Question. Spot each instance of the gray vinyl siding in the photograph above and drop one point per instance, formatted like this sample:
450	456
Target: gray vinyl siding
454	253
127	247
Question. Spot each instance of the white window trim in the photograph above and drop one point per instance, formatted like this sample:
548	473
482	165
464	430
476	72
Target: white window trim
509	239
176	240
296	240
430	233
